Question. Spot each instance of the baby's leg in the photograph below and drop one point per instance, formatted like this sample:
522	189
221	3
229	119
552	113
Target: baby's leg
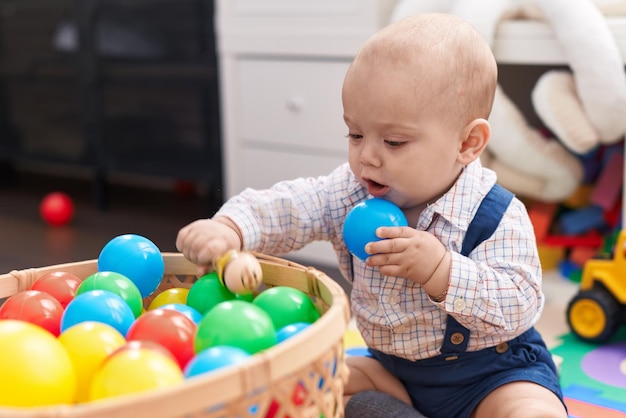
366	373
373	404
520	399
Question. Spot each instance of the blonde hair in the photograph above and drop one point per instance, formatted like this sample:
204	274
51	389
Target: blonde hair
454	67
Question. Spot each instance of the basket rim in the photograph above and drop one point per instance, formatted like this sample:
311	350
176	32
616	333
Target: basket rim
232	382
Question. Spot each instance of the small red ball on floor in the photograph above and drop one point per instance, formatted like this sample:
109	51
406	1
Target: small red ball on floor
57	208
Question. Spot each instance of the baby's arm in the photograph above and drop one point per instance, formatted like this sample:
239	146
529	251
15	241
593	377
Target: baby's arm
366	373
203	240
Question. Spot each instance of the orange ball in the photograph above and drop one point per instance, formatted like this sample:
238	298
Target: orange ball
57	208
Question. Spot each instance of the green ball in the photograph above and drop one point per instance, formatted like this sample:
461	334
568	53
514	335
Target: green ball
248	297
286	305
116	283
207	292
236	323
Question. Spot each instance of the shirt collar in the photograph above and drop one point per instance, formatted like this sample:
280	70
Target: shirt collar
457	205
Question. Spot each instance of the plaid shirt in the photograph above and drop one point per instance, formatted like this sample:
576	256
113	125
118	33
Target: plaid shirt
495	292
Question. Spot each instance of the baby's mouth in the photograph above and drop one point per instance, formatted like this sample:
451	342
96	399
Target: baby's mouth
376	189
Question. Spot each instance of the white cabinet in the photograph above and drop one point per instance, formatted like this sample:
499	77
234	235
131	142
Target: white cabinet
282	64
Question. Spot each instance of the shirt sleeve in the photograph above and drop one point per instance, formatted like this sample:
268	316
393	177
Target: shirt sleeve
497	289
287	216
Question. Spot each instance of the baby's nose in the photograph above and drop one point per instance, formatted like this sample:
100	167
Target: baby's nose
369	155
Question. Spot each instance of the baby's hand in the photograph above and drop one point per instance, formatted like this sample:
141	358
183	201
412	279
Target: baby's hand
406	252
203	240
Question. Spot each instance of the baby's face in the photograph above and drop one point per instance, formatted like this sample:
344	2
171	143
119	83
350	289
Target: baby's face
403	138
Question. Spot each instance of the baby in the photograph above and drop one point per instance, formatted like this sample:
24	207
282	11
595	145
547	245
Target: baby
446	305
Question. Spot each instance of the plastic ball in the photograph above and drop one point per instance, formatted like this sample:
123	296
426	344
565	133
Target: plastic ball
135	345
215	358
35	368
290	330
248	297
169	328
100	306
207	292
135	257
286	305
362	221
36	307
238	324
88	345
116	283
57	209
186	310
173	295
61	285
239	271
129	371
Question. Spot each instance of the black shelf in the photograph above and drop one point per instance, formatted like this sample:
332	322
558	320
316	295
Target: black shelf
153	114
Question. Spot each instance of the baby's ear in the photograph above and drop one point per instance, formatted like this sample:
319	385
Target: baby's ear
475	138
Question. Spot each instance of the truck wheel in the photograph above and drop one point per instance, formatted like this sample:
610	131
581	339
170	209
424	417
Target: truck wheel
593	315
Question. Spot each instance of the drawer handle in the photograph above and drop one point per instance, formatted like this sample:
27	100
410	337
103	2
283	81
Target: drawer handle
294	104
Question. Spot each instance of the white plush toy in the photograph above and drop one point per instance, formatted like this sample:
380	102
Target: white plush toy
583	108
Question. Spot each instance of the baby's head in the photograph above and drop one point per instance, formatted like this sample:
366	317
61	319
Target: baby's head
416	101
452	65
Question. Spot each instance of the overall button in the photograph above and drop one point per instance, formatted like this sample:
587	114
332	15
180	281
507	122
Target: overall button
457	338
502	348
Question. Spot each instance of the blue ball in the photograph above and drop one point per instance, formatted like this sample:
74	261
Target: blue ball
362	221
100	306
186	310
214	358
290	330
135	257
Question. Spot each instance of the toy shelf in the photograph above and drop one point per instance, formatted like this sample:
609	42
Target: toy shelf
526	42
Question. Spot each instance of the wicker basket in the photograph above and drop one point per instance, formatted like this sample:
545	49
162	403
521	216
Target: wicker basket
313	358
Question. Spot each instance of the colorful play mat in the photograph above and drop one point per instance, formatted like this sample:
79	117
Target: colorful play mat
593	376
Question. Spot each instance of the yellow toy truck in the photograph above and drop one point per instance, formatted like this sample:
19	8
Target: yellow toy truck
598	309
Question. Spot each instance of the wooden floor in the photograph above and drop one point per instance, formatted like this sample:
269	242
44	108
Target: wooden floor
27	241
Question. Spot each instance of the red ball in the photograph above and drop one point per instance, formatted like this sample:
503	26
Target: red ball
170	329
57	208
136	345
60	284
36	307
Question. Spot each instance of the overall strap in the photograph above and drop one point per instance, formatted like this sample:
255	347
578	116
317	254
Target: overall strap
484	224
487	218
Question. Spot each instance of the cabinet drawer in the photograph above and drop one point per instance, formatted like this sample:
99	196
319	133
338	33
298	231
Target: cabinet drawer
264	168
296	104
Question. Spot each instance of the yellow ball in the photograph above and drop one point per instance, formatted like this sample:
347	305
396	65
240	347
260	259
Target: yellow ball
35	369
173	295
88	345
134	370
